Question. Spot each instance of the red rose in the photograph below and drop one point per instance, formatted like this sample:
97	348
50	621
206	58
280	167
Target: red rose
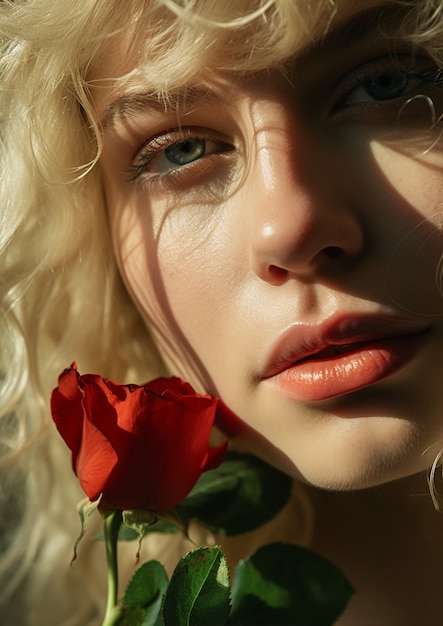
139	446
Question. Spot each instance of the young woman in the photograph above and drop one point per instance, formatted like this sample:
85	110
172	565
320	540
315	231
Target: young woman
254	188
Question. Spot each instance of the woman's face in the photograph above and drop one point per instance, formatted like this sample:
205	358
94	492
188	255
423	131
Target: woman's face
281	236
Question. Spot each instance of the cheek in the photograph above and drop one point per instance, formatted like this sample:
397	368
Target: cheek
413	279
136	256
413	269
169	270
201	281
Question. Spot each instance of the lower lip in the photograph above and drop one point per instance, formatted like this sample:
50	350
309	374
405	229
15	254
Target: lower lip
322	379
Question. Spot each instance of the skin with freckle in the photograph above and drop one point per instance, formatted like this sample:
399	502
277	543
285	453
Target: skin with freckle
247	195
278	226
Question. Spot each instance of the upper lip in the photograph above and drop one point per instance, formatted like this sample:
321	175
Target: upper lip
340	332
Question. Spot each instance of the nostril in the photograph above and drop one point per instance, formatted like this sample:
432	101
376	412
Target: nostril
276	275
333	252
277	271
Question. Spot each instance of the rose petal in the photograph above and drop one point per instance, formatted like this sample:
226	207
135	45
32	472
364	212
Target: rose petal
95	462
67	410
138	446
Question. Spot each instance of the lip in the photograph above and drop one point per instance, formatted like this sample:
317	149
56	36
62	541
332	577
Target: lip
341	355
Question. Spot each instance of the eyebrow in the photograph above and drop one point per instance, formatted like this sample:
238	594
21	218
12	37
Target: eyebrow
349	31
353	29
181	100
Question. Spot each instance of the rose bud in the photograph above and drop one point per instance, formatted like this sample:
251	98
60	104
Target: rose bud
136	446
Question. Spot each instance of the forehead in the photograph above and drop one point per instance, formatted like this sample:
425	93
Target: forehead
164	49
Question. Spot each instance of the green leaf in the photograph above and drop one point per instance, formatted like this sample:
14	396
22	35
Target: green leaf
283	584
198	594
149	580
145	616
241	495
144	595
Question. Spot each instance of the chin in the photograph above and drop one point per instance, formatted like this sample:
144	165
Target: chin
365	472
344	468
347	481
344	454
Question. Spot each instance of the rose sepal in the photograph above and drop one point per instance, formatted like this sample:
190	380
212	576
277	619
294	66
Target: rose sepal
85	509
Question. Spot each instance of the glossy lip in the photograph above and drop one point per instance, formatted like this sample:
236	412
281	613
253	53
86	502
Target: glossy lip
341	355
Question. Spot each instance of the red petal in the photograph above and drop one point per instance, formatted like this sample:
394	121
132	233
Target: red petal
215	457
158	467
228	422
180	433
95	462
172	385
67	410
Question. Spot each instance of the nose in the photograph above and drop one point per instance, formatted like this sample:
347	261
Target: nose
302	220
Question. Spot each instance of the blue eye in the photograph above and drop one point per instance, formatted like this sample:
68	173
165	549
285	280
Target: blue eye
387	86
175	150
184	152
385	81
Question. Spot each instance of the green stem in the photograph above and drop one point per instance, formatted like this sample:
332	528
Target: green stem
114	613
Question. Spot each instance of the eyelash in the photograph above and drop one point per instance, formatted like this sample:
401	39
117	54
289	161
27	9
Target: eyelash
431	75
154	147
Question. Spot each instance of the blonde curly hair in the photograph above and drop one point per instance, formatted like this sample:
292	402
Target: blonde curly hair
60	293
